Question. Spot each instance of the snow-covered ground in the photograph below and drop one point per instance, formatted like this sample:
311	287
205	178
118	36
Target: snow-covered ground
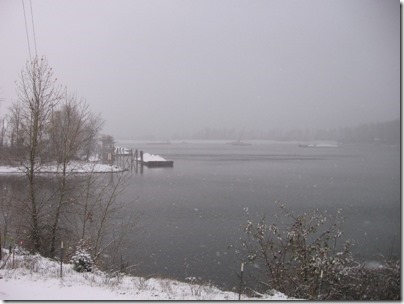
80	166
73	167
38	278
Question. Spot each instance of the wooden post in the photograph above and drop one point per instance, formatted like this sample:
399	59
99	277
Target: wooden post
61	259
13	254
319	286
241	281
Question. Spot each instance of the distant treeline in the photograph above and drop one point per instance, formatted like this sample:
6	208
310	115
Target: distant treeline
384	132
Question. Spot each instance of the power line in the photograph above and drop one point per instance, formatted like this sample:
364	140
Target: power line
26	30
33	28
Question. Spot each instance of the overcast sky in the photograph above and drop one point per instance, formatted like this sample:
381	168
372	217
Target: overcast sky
157	67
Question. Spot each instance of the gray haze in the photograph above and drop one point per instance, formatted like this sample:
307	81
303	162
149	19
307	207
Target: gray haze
172	66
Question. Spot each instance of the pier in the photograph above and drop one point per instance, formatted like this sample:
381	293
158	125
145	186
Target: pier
133	159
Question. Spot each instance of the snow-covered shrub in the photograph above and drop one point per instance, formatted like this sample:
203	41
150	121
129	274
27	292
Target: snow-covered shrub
21	258
303	257
20	251
361	282
81	259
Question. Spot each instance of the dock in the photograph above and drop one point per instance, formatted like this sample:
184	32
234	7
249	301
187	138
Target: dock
153	161
133	159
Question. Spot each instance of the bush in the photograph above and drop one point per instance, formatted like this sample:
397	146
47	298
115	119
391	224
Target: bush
303	260
81	259
380	281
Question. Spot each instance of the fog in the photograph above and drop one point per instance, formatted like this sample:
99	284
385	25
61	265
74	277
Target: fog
155	68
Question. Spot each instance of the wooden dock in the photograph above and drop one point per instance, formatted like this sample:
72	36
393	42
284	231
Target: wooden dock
127	157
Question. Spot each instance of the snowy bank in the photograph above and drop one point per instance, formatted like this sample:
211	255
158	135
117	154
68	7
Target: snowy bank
38	278
73	167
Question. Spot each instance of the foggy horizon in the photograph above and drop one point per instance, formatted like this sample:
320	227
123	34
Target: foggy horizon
158	68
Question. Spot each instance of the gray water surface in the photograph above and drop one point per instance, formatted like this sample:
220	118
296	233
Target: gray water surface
192	213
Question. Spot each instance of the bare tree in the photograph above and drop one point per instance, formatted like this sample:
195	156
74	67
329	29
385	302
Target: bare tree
16	137
7	210
68	134
103	216
92	130
2	132
50	127
108	206
38	94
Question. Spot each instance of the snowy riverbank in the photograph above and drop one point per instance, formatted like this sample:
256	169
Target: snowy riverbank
38	278
73	167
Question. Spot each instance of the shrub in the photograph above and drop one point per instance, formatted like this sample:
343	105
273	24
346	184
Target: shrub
81	259
380	281
303	260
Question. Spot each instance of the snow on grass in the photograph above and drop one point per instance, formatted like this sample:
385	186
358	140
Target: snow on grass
37	278
73	167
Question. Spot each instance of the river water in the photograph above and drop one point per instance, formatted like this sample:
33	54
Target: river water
192	213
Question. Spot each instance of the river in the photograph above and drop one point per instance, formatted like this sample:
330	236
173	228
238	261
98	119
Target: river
193	212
